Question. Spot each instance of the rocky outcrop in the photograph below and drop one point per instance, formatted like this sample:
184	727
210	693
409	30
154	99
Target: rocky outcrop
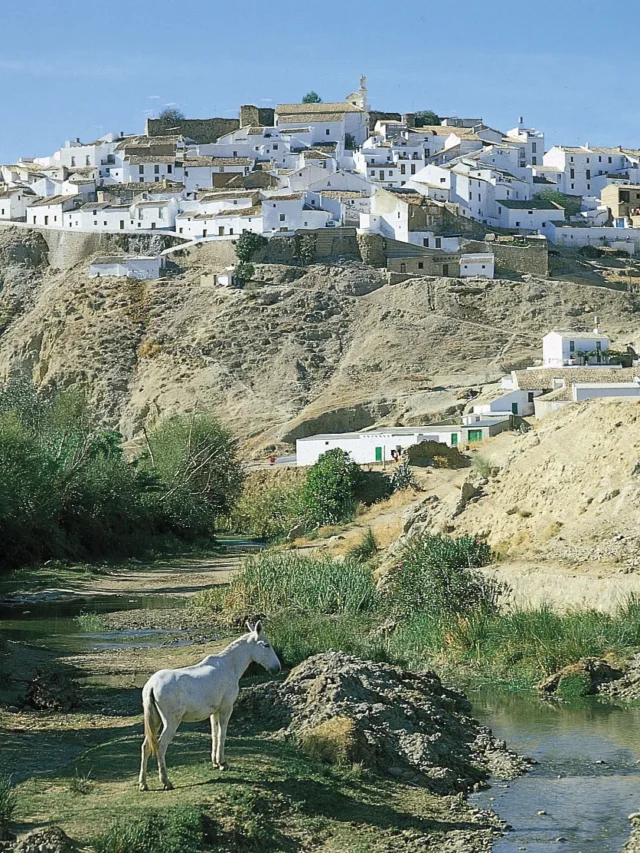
403	724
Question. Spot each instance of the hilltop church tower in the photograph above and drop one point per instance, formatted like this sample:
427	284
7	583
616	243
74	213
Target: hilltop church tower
360	98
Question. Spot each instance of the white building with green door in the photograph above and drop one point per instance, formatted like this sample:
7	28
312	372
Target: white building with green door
377	445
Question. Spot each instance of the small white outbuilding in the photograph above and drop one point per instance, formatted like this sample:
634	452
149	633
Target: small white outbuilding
480	264
138	266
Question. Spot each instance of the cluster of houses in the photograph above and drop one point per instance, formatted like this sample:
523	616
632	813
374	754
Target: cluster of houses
325	165
576	366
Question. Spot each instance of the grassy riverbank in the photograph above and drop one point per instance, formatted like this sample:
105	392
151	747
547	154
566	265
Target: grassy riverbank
438	611
78	769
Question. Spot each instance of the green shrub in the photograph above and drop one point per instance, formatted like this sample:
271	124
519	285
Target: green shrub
329	492
268	510
8	806
436	454
248	244
177	830
482	466
195	460
403	477
372	486
295	637
366	548
435	574
285	580
67	490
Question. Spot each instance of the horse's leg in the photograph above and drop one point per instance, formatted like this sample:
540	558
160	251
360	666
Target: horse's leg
168	733
215	734
224	715
146	752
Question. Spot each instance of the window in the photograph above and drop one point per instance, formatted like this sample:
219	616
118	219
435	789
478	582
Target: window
544	224
403	169
572	173
438	242
381	174
235	153
413	168
141	180
517	224
327	132
73	161
282	217
609	159
157	179
534	161
230	230
169	168
530	397
95	221
534	147
598	345
221	168
275	147
420	265
186	173
105	222
443	180
588	186
588	174
572	346
425	242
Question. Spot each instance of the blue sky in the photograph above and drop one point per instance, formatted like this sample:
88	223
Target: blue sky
82	69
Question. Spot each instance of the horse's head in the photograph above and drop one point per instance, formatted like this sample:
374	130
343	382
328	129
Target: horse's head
261	651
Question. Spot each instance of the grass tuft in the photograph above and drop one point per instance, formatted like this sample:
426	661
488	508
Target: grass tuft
8	806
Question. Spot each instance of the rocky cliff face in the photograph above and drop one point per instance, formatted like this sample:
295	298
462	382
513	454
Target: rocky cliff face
325	347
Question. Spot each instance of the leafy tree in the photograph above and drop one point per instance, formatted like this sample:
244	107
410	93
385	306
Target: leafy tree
244	272
171	115
195	459
427	117
349	142
329	492
248	244
571	203
312	98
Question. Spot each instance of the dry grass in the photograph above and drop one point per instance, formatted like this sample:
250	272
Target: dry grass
331	742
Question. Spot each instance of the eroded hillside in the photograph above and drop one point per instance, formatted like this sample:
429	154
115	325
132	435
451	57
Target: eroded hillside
325	347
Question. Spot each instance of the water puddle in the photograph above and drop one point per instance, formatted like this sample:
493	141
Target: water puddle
54	624
587	781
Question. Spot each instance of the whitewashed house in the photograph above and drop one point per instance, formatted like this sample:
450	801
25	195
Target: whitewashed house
288	213
135	266
584	170
562	349
377	445
477	264
14	202
530	143
49	212
535	214
329	122
404	214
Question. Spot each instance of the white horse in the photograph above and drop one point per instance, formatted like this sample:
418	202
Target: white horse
208	689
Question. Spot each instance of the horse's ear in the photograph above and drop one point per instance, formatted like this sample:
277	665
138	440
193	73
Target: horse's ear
250	627
258	627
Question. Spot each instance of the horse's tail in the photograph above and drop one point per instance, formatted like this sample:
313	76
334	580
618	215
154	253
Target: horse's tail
152	720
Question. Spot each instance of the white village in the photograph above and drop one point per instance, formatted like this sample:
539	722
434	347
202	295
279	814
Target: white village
456	199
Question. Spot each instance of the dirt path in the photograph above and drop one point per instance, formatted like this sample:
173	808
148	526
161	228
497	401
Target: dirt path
183	577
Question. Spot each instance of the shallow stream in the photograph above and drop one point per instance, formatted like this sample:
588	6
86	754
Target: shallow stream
586	782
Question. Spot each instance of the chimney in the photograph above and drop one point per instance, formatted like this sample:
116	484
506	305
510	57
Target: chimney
409	119
521	120
77	139
121	133
249	116
596	325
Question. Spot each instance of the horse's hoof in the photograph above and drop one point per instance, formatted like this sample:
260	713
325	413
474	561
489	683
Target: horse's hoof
168	786
143	786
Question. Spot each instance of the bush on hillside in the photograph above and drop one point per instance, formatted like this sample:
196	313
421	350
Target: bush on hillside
436	454
329	492
248	244
435	574
403	478
267	510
